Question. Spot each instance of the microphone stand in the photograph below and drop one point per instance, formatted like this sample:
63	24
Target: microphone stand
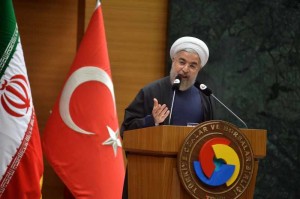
229	110
209	93
174	92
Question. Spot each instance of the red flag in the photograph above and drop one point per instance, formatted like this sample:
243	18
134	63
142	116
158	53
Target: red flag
81	139
21	161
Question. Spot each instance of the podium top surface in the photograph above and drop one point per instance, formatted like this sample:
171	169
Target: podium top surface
166	140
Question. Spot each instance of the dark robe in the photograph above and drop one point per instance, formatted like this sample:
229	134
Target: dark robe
139	113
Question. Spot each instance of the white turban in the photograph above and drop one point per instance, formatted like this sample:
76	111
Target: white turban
193	43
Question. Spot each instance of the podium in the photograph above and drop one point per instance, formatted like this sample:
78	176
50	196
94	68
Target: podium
152	161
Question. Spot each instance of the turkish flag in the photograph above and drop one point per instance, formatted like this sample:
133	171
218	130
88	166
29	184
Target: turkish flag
81	139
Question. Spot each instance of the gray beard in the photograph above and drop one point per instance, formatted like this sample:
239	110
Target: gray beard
185	84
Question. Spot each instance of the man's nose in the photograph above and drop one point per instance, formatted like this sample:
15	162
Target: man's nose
185	68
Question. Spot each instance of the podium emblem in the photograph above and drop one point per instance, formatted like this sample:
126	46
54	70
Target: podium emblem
215	161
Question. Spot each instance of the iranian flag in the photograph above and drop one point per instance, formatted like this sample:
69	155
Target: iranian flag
21	162
81	140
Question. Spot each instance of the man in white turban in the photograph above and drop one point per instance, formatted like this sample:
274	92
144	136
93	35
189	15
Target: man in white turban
152	104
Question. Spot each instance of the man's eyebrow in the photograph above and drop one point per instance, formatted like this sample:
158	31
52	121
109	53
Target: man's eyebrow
182	59
196	63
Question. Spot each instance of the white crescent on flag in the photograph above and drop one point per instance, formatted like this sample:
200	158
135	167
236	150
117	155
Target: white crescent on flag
83	74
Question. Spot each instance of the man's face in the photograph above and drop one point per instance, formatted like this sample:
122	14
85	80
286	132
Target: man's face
187	65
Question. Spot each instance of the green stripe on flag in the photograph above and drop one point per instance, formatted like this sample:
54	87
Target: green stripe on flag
9	34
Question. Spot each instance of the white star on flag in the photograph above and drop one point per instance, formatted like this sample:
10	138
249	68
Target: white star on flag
114	141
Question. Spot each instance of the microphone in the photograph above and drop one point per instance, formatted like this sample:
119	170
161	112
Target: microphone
175	87
208	92
205	89
176	83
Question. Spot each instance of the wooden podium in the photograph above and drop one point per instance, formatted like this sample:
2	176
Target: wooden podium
151	155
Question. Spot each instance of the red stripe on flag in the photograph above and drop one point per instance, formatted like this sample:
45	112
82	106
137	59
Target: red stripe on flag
22	178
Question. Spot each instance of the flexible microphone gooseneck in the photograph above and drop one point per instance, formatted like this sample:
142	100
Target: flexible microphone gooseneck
208	92
175	87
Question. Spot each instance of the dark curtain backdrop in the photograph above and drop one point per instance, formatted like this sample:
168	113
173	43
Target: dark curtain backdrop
254	68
